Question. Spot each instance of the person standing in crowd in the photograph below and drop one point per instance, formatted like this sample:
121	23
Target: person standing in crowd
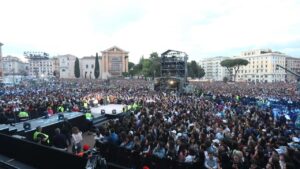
211	161
77	140
66	129
59	140
159	151
50	111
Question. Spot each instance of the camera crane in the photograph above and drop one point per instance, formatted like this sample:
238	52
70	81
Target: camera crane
293	73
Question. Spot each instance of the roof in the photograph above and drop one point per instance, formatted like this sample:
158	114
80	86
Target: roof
175	51
89	57
115	47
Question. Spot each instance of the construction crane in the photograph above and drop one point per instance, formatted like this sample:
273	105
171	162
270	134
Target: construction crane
293	73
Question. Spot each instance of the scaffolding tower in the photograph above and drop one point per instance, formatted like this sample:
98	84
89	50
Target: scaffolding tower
173	71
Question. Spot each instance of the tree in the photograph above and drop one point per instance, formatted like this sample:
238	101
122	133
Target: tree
77	68
201	72
137	69
233	65
130	65
97	68
225	79
147	68
125	74
56	73
156	64
195	70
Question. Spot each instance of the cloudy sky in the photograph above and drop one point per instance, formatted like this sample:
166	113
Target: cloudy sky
201	28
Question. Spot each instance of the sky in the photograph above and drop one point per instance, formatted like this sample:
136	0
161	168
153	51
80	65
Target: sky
201	28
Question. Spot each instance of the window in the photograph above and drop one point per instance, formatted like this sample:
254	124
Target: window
63	70
92	66
87	66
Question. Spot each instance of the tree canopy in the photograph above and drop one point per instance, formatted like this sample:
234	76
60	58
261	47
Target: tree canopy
147	67
195	70
233	65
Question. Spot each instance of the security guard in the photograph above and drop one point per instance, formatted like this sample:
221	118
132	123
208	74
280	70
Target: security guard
60	109
88	116
40	137
85	105
89	121
23	115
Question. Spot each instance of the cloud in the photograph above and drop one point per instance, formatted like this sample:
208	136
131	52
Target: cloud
200	28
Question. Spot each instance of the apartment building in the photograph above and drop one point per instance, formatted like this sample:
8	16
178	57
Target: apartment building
40	65
262	66
213	70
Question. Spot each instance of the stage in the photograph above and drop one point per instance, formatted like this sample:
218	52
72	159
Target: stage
96	111
48	124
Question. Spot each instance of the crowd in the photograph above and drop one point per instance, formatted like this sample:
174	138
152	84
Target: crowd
215	127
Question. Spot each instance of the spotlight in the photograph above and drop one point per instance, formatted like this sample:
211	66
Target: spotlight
26	125
171	82
114	111
61	117
102	111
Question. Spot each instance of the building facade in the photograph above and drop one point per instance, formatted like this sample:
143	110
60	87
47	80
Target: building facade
292	64
114	62
213	69
14	66
87	66
66	66
55	66
1	64
40	66
262	66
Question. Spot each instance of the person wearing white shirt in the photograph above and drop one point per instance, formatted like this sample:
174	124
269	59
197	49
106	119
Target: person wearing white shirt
77	139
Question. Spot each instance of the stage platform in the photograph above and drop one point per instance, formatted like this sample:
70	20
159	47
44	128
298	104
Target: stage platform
18	128
96	111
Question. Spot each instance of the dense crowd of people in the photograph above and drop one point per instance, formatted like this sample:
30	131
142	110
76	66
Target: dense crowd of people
217	126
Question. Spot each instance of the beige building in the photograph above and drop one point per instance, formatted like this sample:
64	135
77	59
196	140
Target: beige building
14	66
66	66
262	66
114	62
87	67
213	69
1	69
292	64
40	66
55	65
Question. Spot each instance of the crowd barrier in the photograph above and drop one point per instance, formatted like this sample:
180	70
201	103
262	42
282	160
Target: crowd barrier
127	158
37	155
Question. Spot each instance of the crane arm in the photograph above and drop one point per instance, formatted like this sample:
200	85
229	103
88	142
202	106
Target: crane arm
297	75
